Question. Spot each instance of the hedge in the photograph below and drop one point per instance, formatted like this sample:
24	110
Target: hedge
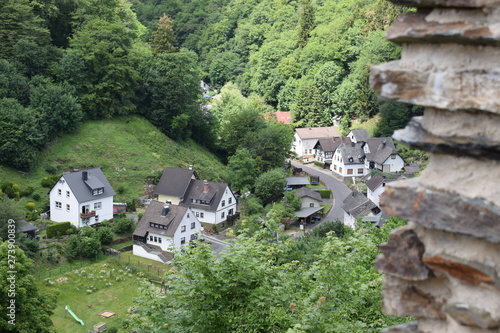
325	194
58	229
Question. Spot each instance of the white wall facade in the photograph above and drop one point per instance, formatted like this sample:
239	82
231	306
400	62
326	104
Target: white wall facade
307	202
137	250
395	163
60	213
375	195
304	148
70	209
349	220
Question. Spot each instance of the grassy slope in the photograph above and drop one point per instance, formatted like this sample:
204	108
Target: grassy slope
368	125
113	286
127	150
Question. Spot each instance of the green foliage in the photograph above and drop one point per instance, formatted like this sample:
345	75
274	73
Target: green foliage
242	170
48	182
9	210
269	185
58	229
32	307
163	39
105	235
260	286
325	194
123	225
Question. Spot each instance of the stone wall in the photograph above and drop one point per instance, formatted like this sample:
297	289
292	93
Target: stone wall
444	266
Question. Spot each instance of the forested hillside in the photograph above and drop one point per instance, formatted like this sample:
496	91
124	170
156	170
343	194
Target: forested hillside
309	57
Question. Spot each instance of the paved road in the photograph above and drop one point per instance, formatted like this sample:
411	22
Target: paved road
339	190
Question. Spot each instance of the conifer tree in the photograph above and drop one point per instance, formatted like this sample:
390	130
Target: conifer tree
163	39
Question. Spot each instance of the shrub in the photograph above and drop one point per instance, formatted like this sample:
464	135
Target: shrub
51	169
319	164
57	229
325	194
36	197
30	206
123	225
120	190
49	181
105	235
112	330
27	191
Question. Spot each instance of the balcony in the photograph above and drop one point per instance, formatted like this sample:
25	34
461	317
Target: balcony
87	214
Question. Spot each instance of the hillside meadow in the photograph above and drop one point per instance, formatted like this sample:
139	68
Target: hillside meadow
129	150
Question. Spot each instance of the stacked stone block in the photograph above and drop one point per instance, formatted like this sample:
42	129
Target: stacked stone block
444	266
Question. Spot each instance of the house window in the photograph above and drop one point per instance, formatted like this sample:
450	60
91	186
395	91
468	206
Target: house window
230	212
96	218
159	240
97	205
230	201
335	167
156	239
193	225
67	194
222	215
311	204
360	171
183	240
98	191
58	205
86	220
340	169
349	171
188	215
183	228
197	214
223	203
59	192
67	207
202	215
151	238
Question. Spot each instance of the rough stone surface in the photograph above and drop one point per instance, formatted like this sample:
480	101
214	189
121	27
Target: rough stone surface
417	136
402	256
450	65
445	3
469	272
419	299
442	90
436	210
425	28
403	328
469	315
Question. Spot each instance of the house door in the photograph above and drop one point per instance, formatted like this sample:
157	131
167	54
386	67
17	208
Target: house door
386	168
85	209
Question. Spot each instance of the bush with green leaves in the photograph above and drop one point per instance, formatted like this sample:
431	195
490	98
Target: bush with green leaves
123	225
105	235
57	229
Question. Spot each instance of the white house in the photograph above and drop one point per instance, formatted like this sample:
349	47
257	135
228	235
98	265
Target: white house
375	187
358	135
305	139
356	205
308	197
82	198
164	228
214	204
349	160
325	149
381	154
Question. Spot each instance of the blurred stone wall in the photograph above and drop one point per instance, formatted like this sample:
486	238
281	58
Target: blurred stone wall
444	266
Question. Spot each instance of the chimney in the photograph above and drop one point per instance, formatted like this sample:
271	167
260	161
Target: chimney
384	143
205	186
84	175
165	210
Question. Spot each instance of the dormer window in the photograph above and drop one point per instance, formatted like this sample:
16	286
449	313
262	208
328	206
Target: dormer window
98	191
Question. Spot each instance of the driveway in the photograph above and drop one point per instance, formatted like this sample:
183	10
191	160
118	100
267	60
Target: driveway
339	190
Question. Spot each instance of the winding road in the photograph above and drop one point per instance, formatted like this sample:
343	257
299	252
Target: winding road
339	190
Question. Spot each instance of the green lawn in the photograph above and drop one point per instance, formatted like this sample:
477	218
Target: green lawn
119	246
107	286
368	125
128	150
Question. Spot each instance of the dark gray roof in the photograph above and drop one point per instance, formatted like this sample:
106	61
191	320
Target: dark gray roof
196	191
174	182
154	215
359	205
25	226
291	181
412	168
82	189
374	182
352	153
305	212
380	149
307	192
360	134
331	144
